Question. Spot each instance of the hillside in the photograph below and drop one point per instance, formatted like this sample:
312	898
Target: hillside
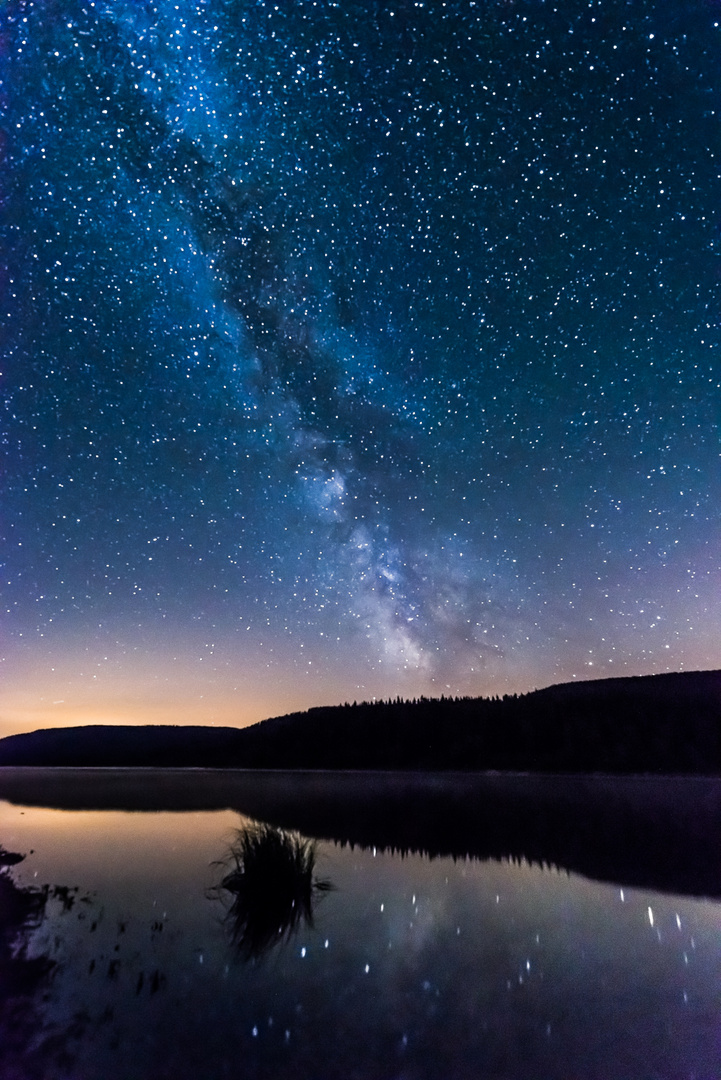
651	724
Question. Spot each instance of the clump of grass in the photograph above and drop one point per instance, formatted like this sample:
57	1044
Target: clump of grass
271	885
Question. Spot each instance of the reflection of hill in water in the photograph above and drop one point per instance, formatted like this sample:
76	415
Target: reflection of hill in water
659	833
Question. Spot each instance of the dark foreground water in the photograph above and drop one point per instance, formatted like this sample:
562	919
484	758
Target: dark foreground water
123	956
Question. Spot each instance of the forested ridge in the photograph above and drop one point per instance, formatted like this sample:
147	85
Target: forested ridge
649	724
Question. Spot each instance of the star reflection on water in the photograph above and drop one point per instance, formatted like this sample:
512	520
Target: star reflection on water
204	942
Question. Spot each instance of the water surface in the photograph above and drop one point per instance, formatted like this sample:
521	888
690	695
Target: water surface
412	966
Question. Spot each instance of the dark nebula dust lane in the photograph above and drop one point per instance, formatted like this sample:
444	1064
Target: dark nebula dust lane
355	350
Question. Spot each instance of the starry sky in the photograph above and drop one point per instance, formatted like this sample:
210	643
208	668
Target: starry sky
354	349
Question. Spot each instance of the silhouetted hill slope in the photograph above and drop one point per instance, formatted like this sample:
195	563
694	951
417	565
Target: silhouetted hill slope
657	723
124	746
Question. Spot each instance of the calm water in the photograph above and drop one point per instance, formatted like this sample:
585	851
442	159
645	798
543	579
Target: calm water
411	967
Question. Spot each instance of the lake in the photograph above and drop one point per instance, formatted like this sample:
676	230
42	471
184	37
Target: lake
451	926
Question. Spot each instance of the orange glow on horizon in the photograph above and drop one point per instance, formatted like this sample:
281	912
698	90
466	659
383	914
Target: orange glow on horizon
25	710
176	683
71	690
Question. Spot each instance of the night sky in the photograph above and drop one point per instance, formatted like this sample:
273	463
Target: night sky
355	349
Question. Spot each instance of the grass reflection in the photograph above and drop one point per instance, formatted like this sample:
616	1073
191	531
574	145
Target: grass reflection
271	887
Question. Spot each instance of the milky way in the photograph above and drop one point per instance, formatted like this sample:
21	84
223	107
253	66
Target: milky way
356	349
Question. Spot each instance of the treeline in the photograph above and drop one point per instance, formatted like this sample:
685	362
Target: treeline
660	723
652	724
